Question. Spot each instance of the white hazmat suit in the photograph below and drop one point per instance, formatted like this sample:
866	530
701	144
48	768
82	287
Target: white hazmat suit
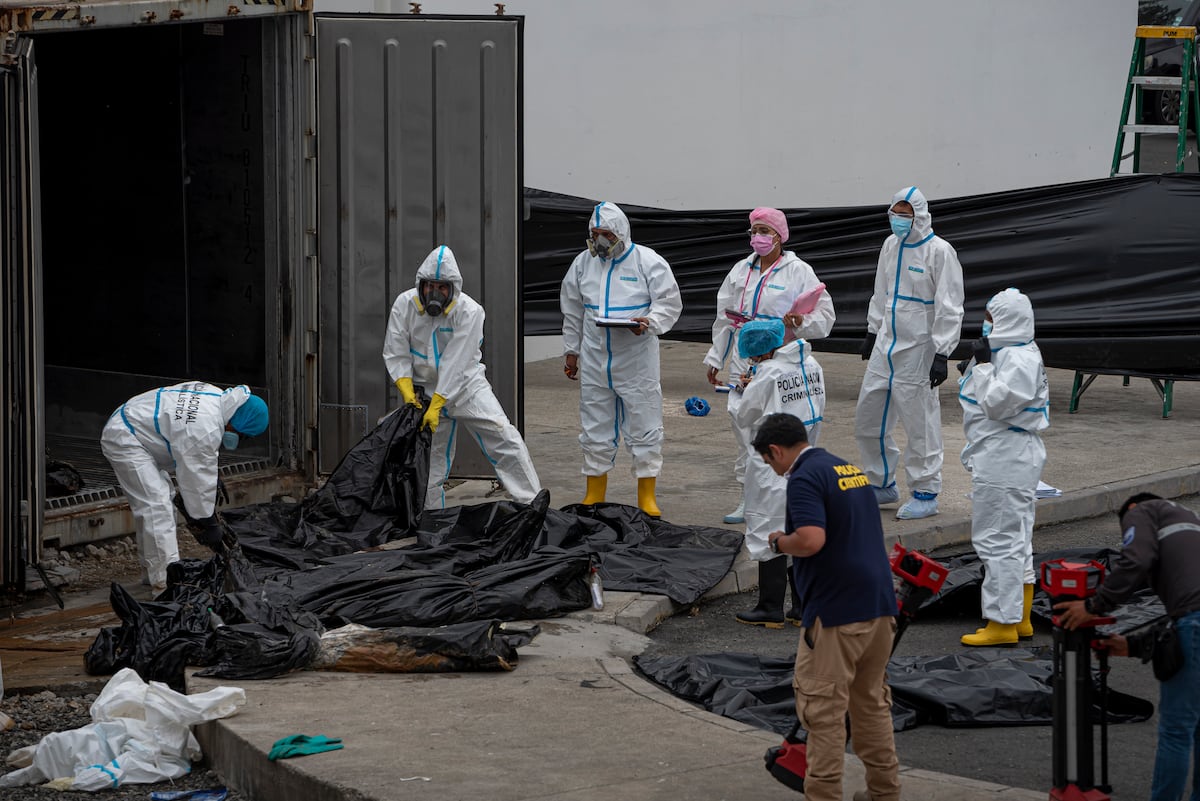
620	392
171	428
762	296
791	381
441	354
915	312
1005	403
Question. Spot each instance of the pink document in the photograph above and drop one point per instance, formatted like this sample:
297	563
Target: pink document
807	301
804	305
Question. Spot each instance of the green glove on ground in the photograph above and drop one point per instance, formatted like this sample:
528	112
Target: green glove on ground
302	745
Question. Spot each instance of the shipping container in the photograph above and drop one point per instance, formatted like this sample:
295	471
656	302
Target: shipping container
235	192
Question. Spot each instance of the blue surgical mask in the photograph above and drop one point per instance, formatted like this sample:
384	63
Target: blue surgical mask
229	439
987	328
900	225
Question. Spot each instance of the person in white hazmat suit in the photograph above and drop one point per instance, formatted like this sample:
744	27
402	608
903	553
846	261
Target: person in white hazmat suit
784	378
1005	398
180	428
620	394
761	287
913	324
433	340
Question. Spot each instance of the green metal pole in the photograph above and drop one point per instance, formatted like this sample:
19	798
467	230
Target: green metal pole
1185	77
1135	63
1196	109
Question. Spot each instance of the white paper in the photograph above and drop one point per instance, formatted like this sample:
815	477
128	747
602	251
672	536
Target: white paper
1044	490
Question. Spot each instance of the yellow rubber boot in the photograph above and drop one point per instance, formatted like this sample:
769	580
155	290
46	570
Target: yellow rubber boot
596	487
646	500
1025	627
993	634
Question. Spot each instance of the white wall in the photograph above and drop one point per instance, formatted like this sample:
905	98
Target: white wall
689	104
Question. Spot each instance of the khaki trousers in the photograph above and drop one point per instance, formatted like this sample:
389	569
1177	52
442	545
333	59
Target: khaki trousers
838	670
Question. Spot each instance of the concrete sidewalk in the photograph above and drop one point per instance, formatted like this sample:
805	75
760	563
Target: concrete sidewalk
573	721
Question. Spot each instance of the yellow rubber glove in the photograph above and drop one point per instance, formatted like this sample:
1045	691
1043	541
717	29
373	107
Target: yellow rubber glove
407	392
433	413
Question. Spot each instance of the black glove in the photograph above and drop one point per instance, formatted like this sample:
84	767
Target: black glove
962	366
178	501
208	531
939	369
868	345
983	350
222	494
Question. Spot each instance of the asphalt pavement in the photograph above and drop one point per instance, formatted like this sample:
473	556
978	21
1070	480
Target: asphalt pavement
1014	757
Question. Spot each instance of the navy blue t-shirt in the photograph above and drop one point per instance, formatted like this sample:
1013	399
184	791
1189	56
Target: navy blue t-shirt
849	579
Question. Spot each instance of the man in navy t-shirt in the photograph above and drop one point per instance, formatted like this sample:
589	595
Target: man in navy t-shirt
849	621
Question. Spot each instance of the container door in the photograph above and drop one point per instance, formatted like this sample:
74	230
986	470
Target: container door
22	479
418	145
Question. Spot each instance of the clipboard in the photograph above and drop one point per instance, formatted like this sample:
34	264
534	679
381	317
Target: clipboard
807	301
616	322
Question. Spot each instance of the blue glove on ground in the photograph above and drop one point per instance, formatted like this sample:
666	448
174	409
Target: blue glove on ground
303	745
697	407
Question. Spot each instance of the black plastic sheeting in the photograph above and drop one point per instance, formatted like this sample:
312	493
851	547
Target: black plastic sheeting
976	687
960	592
212	614
1111	265
360	550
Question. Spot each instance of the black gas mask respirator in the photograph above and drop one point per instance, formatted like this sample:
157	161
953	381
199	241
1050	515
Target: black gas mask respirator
434	299
605	246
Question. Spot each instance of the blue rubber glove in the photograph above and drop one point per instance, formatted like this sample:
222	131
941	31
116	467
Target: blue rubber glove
697	407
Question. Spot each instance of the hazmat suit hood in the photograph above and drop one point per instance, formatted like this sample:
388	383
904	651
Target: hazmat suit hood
610	217
1012	318
440	265
794	352
922	220
799	347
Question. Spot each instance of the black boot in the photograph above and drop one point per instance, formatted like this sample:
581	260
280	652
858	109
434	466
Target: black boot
772	587
795	614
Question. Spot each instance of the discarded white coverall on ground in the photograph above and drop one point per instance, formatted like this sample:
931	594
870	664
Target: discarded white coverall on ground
141	734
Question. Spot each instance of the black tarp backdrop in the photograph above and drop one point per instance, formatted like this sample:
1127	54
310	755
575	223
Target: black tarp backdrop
1112	266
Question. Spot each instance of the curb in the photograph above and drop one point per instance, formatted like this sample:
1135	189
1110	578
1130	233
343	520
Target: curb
1077	505
241	764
